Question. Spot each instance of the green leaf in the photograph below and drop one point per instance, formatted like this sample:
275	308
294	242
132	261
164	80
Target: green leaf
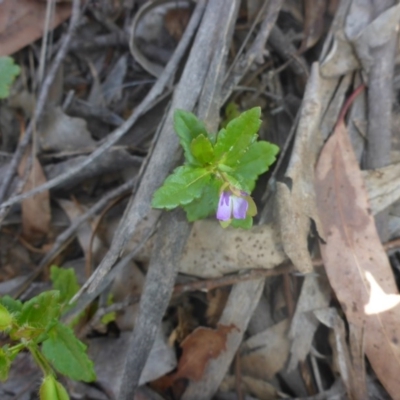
184	185
8	71
246	223
64	280
5	363
68	354
207	203
202	149
237	182
188	127
13	306
231	112
6	318
51	389
233	141
41	310
254	162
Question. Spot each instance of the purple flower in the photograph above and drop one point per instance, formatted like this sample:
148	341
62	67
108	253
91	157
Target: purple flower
230	204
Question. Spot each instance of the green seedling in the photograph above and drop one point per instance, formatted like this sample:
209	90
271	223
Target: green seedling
35	326
220	170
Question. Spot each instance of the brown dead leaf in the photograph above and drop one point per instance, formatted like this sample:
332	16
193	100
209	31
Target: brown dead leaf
353	254
187	323
176	20
216	303
199	347
22	22
314	22
85	231
36	213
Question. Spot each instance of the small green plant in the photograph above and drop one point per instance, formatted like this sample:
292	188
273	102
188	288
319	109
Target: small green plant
8	71
35	326
220	170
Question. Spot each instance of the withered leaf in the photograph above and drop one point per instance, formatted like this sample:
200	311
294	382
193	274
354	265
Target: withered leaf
353	251
36	213
22	22
199	347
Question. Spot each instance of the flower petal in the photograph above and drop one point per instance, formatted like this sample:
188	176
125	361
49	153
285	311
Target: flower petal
240	206
224	211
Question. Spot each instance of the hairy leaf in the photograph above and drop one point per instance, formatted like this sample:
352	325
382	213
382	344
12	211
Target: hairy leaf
183	186
40	310
254	162
6	318
64	280
202	149
206	204
68	354
13	306
246	223
188	127
233	141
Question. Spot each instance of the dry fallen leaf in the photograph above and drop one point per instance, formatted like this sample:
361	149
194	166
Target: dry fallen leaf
315	294
216	303
36	213
202	345
199	347
212	251
258	388
85	230
352	250
352	377
23	21
296	196
265	354
314	22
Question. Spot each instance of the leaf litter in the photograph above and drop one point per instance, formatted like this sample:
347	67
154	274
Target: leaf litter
304	304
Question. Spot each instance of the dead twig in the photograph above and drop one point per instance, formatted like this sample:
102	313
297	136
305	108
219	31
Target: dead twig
256	50
253	274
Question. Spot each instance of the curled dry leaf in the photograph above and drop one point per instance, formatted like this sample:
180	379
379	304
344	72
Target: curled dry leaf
22	22
296	199
36	213
352	250
60	132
